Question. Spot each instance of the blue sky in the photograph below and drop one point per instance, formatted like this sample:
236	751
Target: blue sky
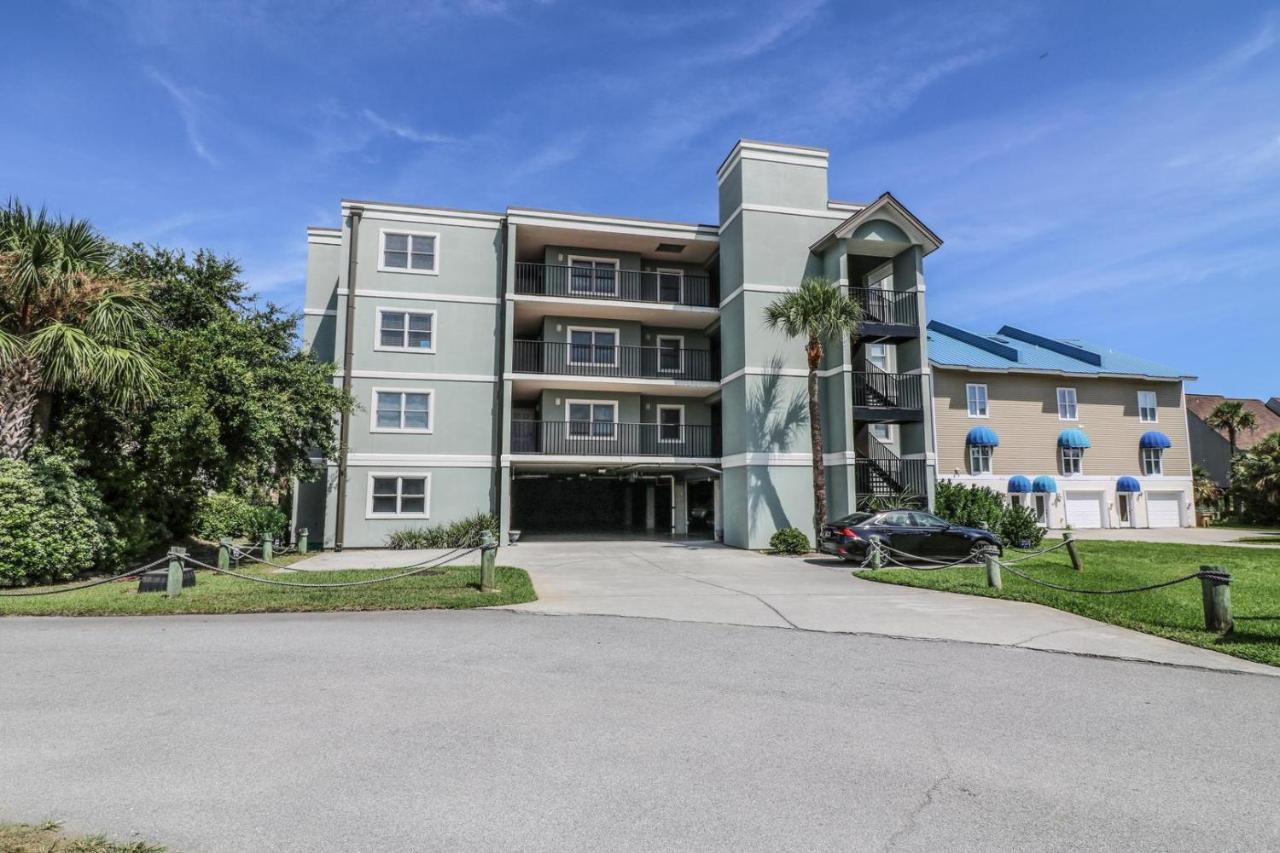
1107	171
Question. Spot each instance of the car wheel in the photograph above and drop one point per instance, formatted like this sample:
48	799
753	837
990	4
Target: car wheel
979	552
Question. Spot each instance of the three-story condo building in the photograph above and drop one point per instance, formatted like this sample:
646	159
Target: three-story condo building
599	374
1085	436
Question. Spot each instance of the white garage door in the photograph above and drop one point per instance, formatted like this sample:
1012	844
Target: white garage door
1084	509
1162	509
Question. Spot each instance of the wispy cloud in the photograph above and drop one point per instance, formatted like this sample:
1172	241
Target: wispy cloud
786	19
187	101
404	131
1242	54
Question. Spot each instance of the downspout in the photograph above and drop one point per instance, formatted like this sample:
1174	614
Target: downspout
348	354
500	389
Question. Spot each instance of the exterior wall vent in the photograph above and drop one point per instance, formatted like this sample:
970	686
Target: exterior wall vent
670	248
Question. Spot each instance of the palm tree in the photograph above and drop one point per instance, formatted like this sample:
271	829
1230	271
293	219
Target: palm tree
68	319
818	311
1232	416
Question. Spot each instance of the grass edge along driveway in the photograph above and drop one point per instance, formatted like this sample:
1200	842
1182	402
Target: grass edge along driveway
1175	613
455	587
48	838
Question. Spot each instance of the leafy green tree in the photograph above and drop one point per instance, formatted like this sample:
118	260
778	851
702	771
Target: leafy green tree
818	312
1206	492
1255	479
70	318
240	412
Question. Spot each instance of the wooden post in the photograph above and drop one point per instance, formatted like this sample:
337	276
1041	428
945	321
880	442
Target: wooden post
488	558
266	547
1070	539
224	552
877	559
173	587
993	573
1215	592
302	540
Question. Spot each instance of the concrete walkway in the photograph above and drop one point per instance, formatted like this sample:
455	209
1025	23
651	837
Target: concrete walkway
705	582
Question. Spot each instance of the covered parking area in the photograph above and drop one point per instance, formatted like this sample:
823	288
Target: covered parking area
626	502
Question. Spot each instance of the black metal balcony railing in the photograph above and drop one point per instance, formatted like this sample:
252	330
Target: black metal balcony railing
611	283
887	390
605	438
890	478
628	362
888	307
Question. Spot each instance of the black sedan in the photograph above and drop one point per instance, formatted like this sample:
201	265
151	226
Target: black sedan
907	531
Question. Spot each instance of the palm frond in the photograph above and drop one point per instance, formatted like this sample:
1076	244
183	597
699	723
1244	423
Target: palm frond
12	348
65	352
817	309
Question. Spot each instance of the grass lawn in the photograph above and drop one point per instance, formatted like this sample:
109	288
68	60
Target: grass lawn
1175	612
1272	539
457	587
48	838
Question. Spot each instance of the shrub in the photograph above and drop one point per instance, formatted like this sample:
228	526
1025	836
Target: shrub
789	540
224	514
969	506
52	523
1019	529
463	533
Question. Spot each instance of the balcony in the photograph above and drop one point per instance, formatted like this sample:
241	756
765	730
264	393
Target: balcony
887	314
611	283
887	397
606	438
555	358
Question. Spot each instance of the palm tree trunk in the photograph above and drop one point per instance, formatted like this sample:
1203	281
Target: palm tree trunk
19	393
814	351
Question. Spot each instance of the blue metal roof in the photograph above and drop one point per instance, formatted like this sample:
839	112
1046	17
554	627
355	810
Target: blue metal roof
1128	484
1073	438
1155	439
1044	483
981	436
1015	349
1019	485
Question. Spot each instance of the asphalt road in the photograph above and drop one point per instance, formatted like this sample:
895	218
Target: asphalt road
507	731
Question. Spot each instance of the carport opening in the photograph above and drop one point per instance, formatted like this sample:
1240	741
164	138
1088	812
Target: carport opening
610	503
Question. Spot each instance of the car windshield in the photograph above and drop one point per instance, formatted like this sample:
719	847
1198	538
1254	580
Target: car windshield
852	519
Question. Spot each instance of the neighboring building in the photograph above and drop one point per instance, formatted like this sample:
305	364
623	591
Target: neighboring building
1085	436
575	372
1210	448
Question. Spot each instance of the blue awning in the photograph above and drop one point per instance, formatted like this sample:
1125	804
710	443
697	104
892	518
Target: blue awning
1128	484
1044	484
1073	438
982	437
1154	439
1019	485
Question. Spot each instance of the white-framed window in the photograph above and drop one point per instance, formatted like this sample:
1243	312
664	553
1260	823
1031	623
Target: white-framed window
670	285
1041	506
406	331
591	418
1072	460
593	276
1152	462
1067	408
977	397
1148	413
670	423
396	495
593	346
401	410
882	432
979	460
670	354
878	357
408	251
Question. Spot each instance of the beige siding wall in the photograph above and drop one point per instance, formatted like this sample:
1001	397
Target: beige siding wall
1023	411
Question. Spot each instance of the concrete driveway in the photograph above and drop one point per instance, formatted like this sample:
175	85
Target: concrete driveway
1177	535
706	582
